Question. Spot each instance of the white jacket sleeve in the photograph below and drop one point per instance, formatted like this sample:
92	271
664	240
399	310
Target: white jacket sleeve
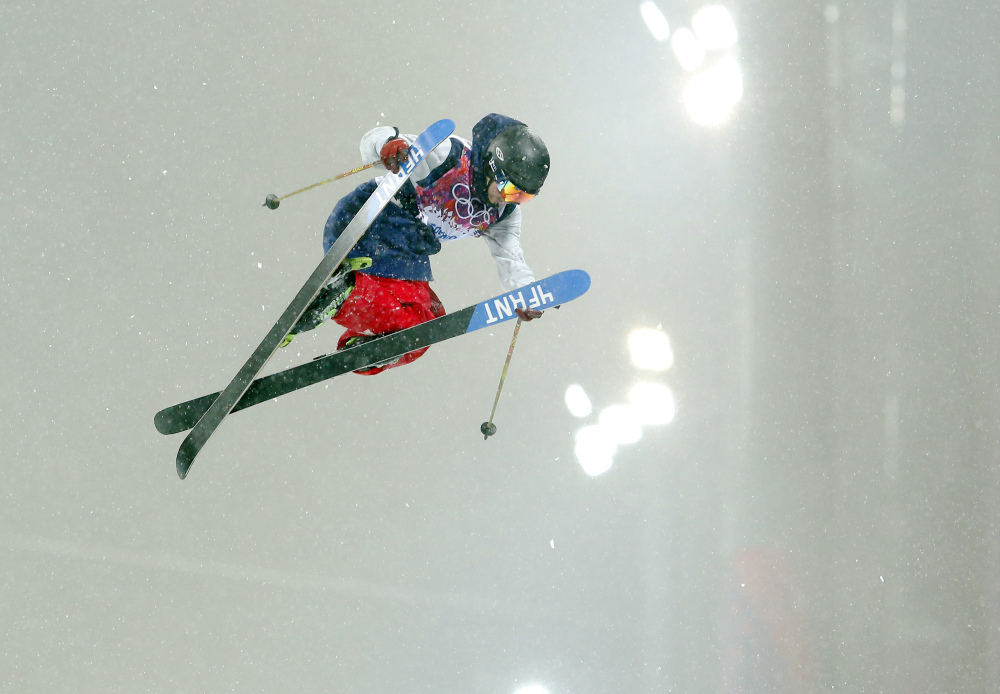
374	140
504	241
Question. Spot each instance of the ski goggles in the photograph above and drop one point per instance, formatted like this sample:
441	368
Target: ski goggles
508	191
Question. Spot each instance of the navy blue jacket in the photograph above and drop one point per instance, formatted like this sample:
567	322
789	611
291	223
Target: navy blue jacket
398	243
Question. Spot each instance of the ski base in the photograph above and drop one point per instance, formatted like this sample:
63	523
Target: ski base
547	293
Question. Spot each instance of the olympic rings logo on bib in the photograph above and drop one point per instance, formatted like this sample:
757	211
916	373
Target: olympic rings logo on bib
466	206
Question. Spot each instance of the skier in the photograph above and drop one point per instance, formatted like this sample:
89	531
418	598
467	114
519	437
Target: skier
461	189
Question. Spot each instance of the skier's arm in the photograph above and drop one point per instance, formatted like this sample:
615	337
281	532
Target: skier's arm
504	242
374	140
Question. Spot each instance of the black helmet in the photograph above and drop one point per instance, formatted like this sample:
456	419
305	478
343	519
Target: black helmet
522	156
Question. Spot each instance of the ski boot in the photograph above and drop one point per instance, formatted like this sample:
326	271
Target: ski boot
330	298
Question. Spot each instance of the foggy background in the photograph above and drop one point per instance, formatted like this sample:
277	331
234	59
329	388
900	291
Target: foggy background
819	515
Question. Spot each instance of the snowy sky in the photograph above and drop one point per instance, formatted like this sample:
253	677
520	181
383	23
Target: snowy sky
360	535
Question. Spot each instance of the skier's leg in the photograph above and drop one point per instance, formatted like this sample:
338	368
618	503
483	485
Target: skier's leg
379	306
330	298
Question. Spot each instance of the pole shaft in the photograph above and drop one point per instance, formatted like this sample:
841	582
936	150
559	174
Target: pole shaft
331	180
503	375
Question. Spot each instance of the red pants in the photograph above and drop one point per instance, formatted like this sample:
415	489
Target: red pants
378	305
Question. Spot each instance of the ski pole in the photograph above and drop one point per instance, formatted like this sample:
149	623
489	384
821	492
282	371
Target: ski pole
272	201
489	428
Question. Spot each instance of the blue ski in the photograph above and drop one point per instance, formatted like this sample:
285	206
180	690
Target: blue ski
222	405
546	293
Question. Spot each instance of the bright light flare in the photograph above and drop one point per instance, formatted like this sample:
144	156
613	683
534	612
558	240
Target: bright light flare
650	349
532	689
621	423
595	450
655	21
688	49
714	27
577	401
712	94
652	404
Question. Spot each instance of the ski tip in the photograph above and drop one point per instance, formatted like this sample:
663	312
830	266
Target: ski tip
185	456
445	123
167	421
161	421
582	279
